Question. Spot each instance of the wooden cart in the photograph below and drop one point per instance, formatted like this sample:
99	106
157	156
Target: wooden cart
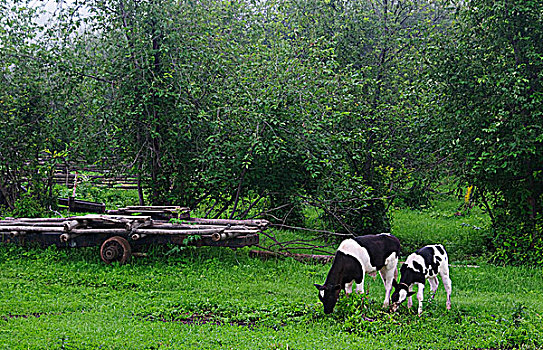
121	230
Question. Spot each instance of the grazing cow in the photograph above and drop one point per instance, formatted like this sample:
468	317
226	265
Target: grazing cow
356	257
425	264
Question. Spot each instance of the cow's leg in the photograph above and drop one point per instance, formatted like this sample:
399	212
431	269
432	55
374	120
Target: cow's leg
420	296
434	283
388	273
447	284
360	286
349	287
387	276
410	298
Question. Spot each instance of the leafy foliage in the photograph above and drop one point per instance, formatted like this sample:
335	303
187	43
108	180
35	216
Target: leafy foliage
278	108
490	76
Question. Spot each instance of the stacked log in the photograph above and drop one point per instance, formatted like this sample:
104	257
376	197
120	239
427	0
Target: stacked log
68	173
122	182
134	227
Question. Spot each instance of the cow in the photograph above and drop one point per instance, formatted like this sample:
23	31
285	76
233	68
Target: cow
353	259
425	264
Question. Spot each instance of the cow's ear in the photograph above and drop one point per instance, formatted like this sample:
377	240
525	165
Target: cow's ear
410	293
319	287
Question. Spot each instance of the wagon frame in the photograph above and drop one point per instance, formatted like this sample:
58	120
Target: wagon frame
120	231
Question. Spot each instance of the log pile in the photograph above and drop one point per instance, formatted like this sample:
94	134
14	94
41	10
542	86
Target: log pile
137	228
69	173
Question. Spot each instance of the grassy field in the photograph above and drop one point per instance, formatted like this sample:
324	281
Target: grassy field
211	298
466	236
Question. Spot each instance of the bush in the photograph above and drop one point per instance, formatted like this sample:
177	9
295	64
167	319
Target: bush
27	205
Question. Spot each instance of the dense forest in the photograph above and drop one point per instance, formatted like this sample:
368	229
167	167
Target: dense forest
283	108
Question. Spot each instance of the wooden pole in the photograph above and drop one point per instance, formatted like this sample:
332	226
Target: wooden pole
31	224
70	225
324	259
152	231
258	223
32	228
221	236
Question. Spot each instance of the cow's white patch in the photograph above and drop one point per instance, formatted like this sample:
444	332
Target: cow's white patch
321	292
392	259
403	296
411	259
352	248
440	258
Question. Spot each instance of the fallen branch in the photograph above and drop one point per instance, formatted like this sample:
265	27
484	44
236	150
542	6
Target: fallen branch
263	254
330	233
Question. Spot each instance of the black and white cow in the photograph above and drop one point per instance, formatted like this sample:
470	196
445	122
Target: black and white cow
356	257
425	264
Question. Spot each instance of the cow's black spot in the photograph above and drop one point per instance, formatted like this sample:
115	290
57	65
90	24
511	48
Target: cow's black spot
418	267
431	260
409	275
440	250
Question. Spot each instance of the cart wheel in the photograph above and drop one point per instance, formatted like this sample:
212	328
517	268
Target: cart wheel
115	249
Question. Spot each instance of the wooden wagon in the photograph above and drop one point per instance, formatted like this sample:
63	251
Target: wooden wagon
121	230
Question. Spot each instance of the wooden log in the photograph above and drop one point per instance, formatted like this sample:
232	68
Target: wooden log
221	236
77	205
162	213
114	219
324	259
154	207
32	228
151	231
70	225
65	237
136	236
36	219
90	231
166	225
84	231
31	224
137	211
133	225
257	223
134	187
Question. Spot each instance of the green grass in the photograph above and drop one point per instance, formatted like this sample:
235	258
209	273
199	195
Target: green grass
466	236
210	298
218	298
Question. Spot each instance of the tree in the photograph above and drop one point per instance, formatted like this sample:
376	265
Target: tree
33	102
490	74
229	107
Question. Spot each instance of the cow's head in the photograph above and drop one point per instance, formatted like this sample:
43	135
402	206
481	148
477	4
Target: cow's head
401	292
328	295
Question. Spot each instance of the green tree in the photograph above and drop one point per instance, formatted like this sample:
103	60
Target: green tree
490	75
33	103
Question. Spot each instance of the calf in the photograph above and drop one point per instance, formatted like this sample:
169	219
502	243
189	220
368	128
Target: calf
356	257
425	264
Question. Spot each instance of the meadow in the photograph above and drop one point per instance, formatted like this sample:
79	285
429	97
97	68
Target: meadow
214	298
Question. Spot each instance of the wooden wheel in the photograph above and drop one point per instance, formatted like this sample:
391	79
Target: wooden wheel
115	249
